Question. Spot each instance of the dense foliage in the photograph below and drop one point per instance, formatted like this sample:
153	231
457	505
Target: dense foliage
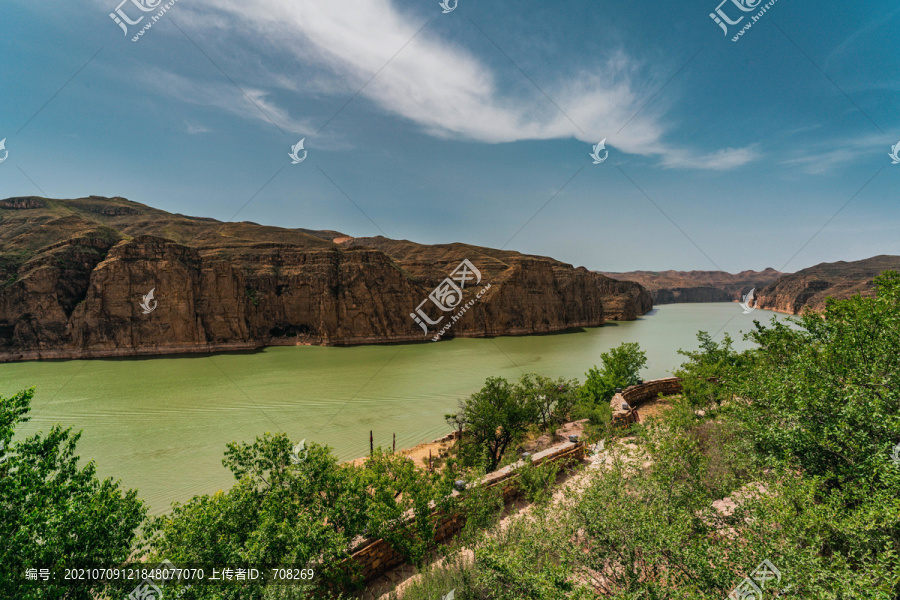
498	416
621	368
53	513
493	418
302	510
789	452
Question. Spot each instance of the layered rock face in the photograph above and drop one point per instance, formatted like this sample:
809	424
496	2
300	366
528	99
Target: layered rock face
670	287
74	273
809	288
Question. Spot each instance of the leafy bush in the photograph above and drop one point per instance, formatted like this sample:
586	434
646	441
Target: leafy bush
826	394
621	368
53	513
709	374
395	486
303	511
536	481
480	506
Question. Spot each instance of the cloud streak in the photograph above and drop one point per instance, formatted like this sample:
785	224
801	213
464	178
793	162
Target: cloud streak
448	91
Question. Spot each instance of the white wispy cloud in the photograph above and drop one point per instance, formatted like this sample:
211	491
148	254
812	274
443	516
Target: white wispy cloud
439	85
721	160
254	105
828	155
195	128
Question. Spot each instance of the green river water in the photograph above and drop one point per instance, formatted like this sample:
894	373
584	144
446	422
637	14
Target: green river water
161	424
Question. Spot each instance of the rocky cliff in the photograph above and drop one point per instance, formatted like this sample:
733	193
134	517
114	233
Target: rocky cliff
74	274
809	288
669	287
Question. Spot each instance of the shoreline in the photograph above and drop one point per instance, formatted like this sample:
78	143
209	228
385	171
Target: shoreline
191	349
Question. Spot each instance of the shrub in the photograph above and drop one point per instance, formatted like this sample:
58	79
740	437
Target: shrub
621	368
56	514
535	482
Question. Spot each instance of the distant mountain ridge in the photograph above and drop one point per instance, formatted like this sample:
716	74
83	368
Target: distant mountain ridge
809	288
670	287
73	274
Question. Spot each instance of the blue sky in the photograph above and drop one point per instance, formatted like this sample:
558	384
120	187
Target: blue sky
767	152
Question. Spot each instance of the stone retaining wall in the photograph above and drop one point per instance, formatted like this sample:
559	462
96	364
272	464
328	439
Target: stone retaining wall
376	556
636	395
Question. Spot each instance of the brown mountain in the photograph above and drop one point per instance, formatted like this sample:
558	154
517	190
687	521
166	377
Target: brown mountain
810	287
669	287
73	275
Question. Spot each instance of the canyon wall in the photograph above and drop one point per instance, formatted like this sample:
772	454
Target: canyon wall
74	274
670	287
810	288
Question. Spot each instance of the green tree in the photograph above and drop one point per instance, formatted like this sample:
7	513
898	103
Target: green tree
55	514
708	375
494	417
826	391
621	368
284	509
550	400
